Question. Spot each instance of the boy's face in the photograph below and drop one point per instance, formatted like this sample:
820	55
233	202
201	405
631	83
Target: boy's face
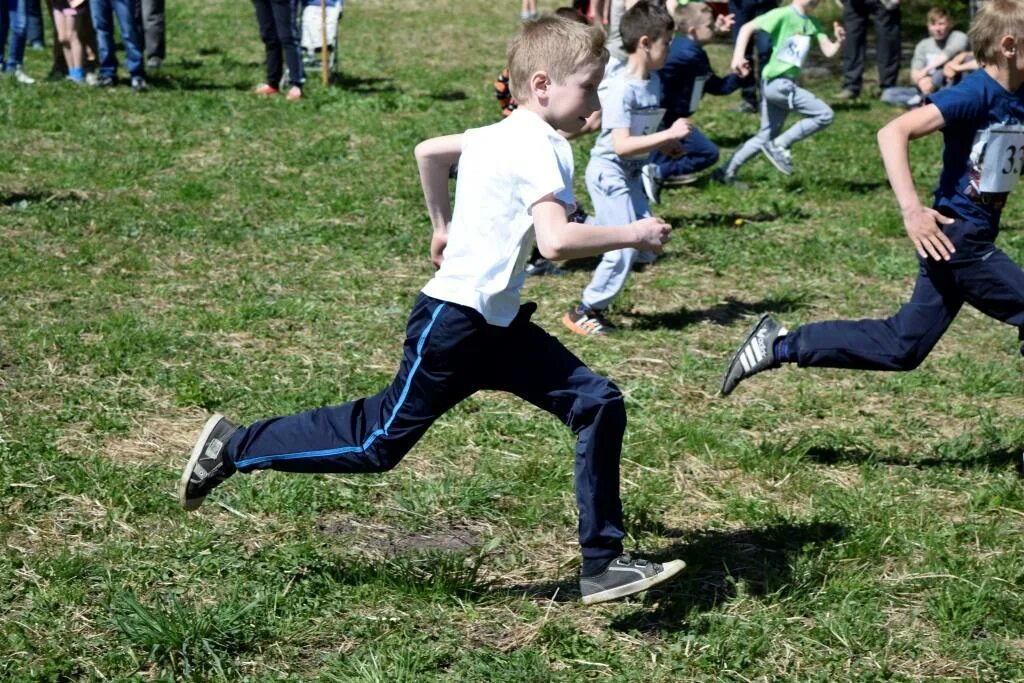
704	29
575	98
939	28
657	52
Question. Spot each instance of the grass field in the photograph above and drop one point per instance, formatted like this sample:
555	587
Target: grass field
195	249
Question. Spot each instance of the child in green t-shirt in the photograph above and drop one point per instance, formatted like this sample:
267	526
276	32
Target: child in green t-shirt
791	30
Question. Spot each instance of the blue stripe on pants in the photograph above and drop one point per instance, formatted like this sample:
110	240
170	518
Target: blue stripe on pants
451	352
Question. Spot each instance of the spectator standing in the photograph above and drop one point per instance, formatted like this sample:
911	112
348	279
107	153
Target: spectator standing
887	44
103	14
34	25
152	28
12	40
280	38
67	23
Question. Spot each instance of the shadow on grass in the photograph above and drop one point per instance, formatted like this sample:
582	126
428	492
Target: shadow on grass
18	198
448	96
860	186
723	313
998	459
362	86
850	105
716	561
728	219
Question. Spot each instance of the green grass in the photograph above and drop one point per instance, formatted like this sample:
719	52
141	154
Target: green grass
197	249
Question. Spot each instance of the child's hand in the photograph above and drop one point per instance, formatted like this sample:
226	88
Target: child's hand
740	67
724	22
679	129
838	31
673	149
923	229
652	234
438	241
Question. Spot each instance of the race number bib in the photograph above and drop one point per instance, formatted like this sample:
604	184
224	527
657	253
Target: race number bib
794	50
644	122
698	92
1003	161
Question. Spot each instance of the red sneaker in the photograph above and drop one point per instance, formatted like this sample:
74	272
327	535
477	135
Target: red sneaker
265	89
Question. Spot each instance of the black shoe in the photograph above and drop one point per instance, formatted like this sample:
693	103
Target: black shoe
626	576
105	82
542	266
746	107
754	355
139	84
207	467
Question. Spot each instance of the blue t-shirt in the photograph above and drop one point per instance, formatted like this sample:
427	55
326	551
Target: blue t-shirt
984	153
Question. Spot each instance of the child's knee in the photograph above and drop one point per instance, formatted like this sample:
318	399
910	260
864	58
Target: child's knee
826	116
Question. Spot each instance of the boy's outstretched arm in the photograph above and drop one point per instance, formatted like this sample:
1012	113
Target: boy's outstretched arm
558	239
739	64
435	158
830	48
666	140
921	223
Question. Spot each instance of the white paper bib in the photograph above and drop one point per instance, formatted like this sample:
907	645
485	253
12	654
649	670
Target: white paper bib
1002	159
794	50
644	122
698	92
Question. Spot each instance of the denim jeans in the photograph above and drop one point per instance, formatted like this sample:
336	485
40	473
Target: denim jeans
34	29
103	14
450	353
12	27
280	36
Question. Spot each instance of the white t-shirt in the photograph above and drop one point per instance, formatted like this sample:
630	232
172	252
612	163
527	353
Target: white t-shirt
505	168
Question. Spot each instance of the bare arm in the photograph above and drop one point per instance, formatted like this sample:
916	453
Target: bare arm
626	145
830	48
434	158
558	239
922	224
739	63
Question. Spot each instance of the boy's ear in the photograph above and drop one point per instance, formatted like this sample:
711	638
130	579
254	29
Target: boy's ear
644	43
539	83
1008	45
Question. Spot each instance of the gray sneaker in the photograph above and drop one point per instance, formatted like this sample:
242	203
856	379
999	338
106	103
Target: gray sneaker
781	158
652	184
754	355
207	467
625	576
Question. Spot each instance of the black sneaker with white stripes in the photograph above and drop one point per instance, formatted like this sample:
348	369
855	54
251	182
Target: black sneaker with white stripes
754	355
207	467
626	576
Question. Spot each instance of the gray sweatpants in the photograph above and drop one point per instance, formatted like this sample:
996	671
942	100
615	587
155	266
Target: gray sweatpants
779	97
617	193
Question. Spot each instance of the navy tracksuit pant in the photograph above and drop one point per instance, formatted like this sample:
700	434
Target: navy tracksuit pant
451	352
698	153
979	274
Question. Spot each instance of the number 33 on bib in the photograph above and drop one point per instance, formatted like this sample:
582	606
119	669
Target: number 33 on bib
998	156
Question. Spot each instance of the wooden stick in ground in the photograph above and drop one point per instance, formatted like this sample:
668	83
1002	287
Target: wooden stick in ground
324	76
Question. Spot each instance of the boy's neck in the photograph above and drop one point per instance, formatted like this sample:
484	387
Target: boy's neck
801	6
636	66
533	106
1005	75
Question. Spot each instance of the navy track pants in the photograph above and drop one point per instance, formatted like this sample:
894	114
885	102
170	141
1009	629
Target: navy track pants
451	352
979	274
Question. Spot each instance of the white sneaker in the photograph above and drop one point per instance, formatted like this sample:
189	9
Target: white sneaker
21	77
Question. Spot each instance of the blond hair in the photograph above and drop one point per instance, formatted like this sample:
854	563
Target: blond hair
688	16
555	45
995	19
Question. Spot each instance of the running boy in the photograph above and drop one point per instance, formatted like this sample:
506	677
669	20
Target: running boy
686	76
467	330
630	113
982	121
791	30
